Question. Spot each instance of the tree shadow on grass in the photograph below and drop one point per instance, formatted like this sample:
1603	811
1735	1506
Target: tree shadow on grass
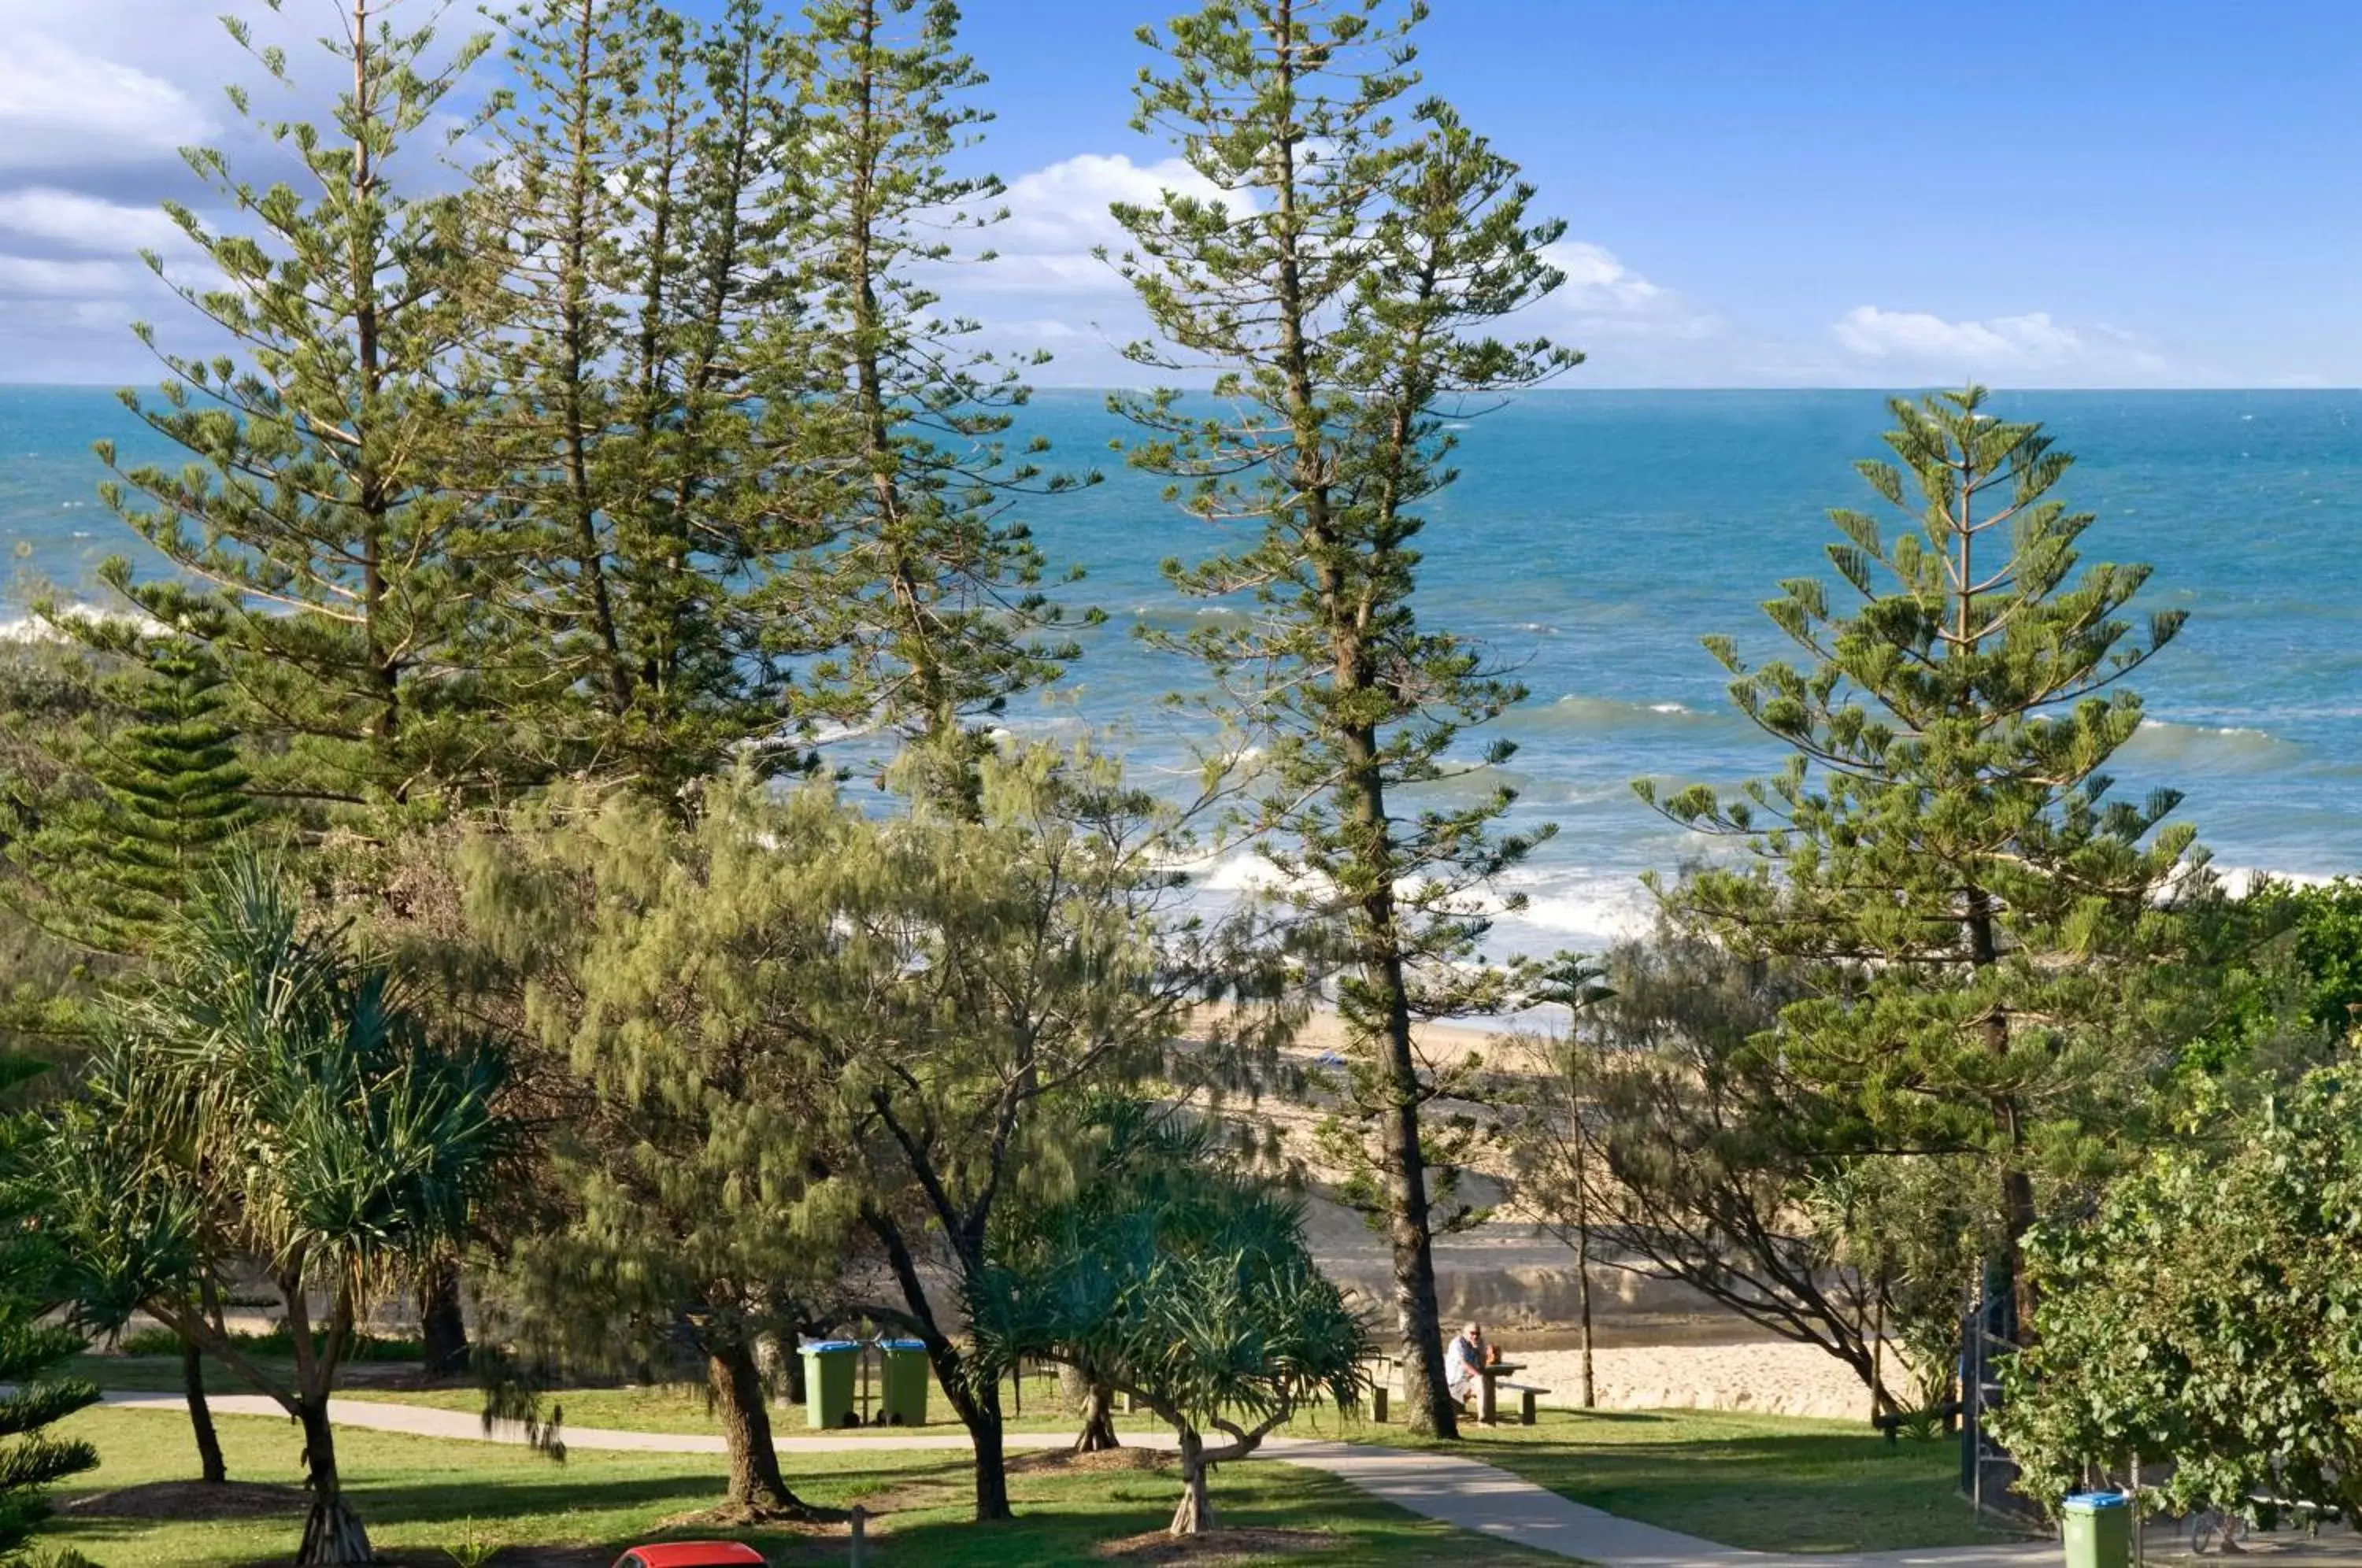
457	1501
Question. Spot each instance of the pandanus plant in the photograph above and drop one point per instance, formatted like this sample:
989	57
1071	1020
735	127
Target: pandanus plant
1183	1284
273	1100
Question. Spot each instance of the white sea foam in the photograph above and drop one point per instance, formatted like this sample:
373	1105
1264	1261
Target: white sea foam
30	629
2164	742
2238	881
1582	714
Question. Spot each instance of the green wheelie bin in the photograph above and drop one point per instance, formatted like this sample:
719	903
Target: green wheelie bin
902	1399
828	1382
2099	1529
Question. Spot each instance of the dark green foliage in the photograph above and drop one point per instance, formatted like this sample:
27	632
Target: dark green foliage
1169	1277
1942	857
927	594
2284	963
2326	950
637	452
320	557
1343	291
672	973
32	1459
151	795
2208	1315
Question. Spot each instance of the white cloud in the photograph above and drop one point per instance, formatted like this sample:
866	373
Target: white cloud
2000	345
1058	216
63	107
1594	277
1602	296
41	277
74	221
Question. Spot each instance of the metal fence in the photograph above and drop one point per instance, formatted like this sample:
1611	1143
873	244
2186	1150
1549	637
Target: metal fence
1988	1338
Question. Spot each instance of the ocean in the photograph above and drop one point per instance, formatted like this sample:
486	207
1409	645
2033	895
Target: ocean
1593	537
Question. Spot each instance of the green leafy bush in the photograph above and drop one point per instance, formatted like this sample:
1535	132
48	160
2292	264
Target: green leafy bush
2209	1316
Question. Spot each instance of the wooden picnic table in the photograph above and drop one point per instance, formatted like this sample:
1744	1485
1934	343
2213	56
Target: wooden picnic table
1487	1394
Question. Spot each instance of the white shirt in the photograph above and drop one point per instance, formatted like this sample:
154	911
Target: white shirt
1460	1360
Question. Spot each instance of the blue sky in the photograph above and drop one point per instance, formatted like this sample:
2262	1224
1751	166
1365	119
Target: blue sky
1777	193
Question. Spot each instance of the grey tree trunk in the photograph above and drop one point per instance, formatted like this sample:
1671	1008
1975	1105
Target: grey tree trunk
1583	1253
1098	1410
1196	1512
442	1325
333	1534
758	1490
210	1464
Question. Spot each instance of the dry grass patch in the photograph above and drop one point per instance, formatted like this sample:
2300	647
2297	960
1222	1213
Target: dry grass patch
188	1501
1216	1547
1063	1461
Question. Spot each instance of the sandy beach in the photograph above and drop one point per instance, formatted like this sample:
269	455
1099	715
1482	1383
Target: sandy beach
1658	1344
1774	1378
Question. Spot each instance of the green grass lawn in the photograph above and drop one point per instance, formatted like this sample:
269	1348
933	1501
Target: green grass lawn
417	1494
657	1409
1771	1483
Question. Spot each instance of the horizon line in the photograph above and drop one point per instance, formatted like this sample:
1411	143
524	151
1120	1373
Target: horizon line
112	384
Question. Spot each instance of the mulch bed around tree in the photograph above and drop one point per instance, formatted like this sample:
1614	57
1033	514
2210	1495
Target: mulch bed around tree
1059	1461
1213	1548
182	1500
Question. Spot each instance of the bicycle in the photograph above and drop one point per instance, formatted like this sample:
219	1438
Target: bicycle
2226	1532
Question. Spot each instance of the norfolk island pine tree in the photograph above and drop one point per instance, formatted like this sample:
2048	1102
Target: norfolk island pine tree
1942	850
1340	289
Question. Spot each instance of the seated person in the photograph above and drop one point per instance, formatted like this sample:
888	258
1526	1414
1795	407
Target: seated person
1462	1358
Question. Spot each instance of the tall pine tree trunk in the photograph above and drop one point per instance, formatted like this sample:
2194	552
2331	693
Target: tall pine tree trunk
758	1490
2017	1206
1428	1407
210	1464
1427	1391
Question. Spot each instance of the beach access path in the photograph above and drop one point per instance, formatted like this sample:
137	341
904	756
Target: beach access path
1467	1493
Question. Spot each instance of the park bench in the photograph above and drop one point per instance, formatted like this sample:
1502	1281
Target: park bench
1527	1393
1383	1369
1490	1382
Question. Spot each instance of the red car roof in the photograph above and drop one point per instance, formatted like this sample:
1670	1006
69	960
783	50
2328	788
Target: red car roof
696	1554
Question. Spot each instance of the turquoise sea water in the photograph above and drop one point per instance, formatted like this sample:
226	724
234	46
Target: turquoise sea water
1595	536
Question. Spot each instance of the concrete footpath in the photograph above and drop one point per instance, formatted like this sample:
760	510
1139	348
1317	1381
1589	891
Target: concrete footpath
1468	1493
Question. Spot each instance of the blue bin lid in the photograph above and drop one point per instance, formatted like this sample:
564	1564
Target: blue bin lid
829	1347
903	1345
2092	1502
